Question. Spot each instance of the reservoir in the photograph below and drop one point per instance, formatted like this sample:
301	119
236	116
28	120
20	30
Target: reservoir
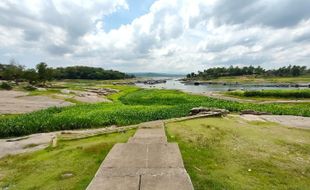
175	83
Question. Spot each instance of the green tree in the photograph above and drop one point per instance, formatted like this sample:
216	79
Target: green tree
31	76
13	72
44	73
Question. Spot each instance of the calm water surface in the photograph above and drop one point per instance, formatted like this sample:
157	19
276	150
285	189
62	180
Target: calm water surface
173	83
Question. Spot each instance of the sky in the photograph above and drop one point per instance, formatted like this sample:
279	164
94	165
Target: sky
176	36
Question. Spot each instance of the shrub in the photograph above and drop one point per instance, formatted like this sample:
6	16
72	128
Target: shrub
6	86
30	88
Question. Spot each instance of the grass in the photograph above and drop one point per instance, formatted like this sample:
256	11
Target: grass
262	79
236	154
297	94
131	106
71	165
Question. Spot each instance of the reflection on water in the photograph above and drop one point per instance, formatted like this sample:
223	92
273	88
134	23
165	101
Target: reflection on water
173	83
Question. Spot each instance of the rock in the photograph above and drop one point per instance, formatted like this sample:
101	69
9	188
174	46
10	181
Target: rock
252	112
30	87
102	91
66	175
152	81
123	83
41	89
203	110
54	141
65	91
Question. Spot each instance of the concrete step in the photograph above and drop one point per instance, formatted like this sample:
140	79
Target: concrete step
149	133
152	124
115	183
149	136
141	179
146	162
172	181
153	140
137	155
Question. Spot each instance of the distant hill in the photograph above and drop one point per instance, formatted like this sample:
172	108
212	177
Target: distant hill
150	74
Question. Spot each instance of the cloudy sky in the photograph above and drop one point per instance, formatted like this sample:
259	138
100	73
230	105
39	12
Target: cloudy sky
176	36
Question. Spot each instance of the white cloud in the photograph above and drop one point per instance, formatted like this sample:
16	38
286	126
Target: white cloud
176	35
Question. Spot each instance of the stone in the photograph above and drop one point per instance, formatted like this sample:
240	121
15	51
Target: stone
211	111
41	89
66	175
65	91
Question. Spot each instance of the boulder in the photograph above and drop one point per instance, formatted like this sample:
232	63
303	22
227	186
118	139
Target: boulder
65	91
102	91
211	111
41	89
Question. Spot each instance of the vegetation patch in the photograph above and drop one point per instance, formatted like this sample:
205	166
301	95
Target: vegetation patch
131	106
71	165
226	153
299	93
6	86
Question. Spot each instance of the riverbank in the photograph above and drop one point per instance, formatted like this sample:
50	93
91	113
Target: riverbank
245	85
250	79
233	153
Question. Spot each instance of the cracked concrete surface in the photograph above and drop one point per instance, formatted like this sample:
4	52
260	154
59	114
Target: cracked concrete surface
146	162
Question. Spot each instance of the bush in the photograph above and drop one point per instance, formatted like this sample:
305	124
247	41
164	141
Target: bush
6	86
301	93
30	88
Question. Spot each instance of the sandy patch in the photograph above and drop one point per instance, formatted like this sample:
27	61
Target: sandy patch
14	102
85	97
286	120
25	144
40	141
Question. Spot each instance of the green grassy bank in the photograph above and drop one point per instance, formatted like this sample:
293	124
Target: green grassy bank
262	79
298	93
71	165
232	153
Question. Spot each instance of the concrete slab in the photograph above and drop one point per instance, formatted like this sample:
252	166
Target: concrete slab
146	162
115	183
127	156
176	181
135	155
121	172
164	156
152	124
148	140
149	133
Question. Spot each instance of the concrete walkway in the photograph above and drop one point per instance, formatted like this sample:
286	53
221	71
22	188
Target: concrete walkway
146	162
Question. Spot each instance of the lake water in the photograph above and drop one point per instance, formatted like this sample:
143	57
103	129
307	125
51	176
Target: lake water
173	83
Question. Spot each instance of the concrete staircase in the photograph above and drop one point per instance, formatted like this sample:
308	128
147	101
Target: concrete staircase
146	162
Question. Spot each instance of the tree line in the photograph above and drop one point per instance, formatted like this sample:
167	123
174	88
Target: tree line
42	73
216	72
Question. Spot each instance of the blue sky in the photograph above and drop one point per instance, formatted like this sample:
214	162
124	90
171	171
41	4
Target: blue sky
136	9
177	36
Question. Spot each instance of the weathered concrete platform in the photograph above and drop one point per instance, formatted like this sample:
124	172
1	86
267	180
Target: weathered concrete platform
146	162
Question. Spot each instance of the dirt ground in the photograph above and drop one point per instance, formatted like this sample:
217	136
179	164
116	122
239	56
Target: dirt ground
88	97
286	120
15	102
40	141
